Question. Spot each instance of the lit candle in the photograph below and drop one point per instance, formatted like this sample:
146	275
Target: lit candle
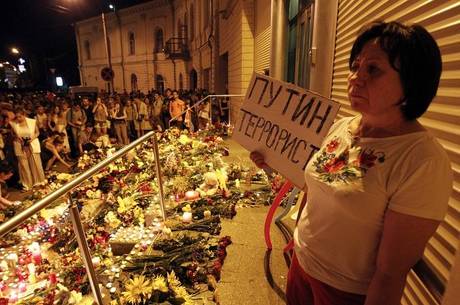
192	195
13	297
187	217
32	277
36	253
12	260
22	287
96	261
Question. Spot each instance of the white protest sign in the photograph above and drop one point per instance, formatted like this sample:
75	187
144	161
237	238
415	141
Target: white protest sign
285	123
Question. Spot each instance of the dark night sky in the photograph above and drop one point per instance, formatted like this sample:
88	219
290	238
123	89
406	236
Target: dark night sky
42	30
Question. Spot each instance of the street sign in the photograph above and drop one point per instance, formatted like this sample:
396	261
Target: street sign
107	74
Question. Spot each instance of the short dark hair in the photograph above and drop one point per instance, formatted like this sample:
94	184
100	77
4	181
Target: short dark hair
414	53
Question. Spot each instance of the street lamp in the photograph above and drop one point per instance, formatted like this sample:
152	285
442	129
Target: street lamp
112	7
14	51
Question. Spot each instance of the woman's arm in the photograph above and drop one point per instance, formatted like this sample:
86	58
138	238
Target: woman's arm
4	202
403	241
95	108
56	155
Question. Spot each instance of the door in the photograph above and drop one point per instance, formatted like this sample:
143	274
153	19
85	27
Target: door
303	49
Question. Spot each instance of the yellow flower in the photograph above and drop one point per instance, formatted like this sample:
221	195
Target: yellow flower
172	280
125	204
112	220
137	289
159	283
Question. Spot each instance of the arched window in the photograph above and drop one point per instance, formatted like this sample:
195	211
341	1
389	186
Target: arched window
181	81
87	49
132	43
192	23
160	83
185	26
159	41
133	82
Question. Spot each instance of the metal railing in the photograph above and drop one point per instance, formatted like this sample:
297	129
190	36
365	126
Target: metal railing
18	219
176	47
197	104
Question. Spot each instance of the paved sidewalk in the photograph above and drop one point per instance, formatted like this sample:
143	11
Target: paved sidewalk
243	277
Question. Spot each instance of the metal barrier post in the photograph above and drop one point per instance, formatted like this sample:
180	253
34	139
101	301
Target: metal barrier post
159	176
84	251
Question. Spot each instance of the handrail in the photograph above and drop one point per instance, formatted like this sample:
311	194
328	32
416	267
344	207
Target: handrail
202	100
16	220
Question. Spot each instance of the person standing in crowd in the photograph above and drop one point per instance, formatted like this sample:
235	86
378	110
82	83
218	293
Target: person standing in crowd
146	125
129	108
76	119
369	199
88	109
141	114
165	109
101	114
42	122
27	150
58	122
188	118
118	116
156	112
176	109
203	114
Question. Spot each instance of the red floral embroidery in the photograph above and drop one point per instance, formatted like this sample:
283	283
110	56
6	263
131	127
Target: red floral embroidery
331	146
334	165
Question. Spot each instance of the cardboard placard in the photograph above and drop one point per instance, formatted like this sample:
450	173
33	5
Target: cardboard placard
285	123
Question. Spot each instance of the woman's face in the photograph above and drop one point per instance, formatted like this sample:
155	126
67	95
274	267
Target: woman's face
374	87
20	117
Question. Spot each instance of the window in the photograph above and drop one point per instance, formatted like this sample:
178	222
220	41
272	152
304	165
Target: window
206	10
158	41
132	43
133	82
181	81
179	28
87	49
185	26
192	23
160	83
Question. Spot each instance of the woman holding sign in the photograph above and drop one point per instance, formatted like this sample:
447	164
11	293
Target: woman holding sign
378	187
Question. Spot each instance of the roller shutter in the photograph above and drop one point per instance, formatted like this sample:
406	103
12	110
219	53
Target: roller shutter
262	50
442	19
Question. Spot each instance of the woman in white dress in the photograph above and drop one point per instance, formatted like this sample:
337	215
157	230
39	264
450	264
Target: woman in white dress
27	150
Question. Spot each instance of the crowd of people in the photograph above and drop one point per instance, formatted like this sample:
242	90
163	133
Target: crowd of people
39	130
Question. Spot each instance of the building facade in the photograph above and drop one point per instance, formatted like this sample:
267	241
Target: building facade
217	44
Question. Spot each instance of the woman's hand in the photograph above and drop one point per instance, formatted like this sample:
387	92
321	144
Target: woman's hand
258	159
